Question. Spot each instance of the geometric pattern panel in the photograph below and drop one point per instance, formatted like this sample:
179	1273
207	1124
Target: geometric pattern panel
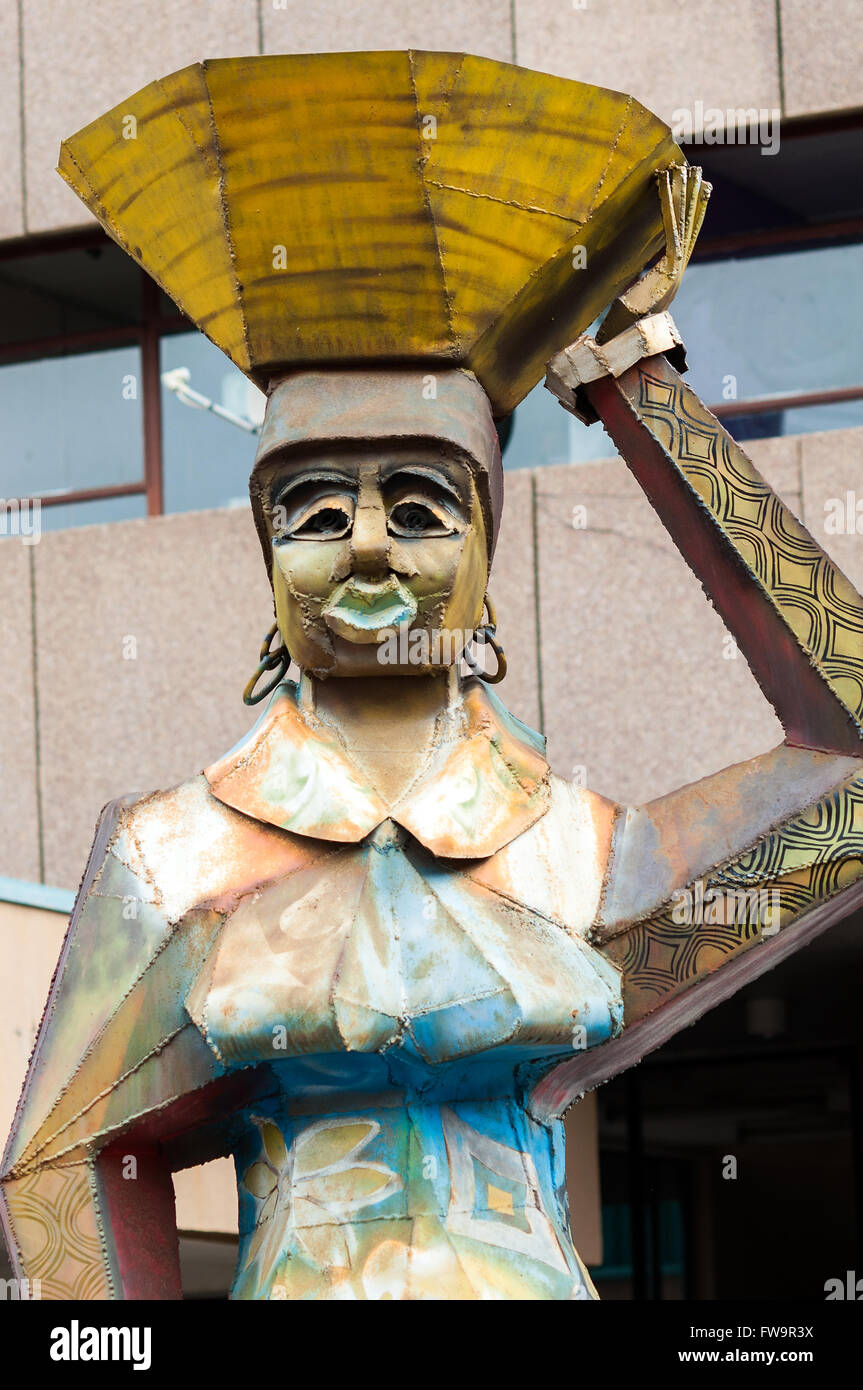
820	606
54	1218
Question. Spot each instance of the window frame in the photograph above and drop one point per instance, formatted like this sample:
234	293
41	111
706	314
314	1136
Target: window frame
746	245
147	334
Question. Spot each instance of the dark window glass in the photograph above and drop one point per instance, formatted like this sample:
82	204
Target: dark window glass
768	325
762	326
811	419
166	307
206	459
82	291
543	432
755	327
69	423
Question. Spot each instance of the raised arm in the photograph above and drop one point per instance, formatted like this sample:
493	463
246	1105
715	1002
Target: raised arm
794	616
759	854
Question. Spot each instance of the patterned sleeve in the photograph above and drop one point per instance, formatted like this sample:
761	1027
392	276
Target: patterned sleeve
85	1191
782	838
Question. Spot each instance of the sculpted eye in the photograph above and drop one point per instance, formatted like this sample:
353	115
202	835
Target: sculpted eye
412	517
325	523
327	517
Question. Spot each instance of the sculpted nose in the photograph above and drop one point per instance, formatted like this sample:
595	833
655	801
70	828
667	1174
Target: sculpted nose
370	541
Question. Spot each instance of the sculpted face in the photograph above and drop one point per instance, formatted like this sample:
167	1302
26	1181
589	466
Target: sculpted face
379	556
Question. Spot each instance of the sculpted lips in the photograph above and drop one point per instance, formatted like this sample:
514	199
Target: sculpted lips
363	610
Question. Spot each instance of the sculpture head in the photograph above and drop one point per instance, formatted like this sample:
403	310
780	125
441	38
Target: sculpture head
377	498
485	218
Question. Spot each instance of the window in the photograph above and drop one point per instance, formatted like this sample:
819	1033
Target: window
206	461
86	425
769	310
769	307
773	343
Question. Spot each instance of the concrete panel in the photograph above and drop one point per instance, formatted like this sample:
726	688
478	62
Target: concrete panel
821	47
11	193
720	52
833	496
642	691
80	60
190	591
147	632
206	1197
513	591
451	26
19	827
32	939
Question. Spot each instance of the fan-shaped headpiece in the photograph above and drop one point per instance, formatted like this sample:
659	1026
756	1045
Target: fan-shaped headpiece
362	209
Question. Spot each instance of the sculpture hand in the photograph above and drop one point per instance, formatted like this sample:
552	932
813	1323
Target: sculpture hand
779	836
683	196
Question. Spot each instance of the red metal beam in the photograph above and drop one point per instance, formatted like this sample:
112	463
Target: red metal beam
152	399
761	405
91	494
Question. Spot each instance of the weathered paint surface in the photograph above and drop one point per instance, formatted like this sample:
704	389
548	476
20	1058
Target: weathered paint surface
404	1199
428	235
382	1001
294	927
331	410
487	780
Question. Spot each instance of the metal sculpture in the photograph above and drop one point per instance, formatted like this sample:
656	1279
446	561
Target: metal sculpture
376	950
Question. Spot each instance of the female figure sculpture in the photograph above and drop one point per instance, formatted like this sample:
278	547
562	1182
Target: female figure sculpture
377	949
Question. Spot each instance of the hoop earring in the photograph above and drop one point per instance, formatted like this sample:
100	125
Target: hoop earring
278	661
487	632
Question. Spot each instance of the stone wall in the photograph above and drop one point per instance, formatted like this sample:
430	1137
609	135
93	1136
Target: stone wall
63	65
127	646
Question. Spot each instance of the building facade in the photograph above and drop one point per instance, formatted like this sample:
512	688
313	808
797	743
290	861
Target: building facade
133	599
